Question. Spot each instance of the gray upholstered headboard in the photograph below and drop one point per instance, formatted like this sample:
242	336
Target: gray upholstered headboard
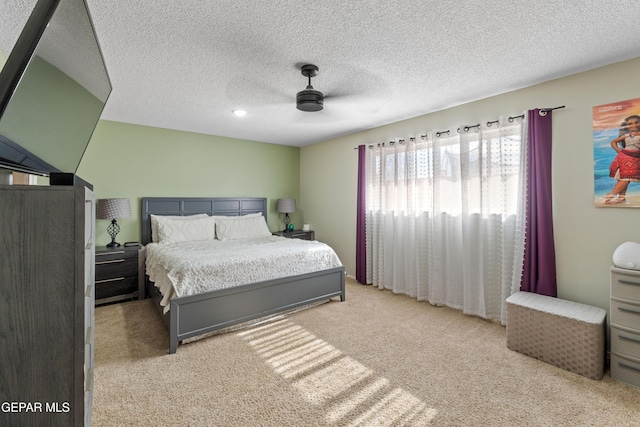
182	206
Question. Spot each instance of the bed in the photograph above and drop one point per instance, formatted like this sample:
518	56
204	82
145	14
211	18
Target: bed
193	315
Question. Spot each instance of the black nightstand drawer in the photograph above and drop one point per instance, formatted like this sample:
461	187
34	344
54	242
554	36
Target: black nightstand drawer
116	286
118	267
296	234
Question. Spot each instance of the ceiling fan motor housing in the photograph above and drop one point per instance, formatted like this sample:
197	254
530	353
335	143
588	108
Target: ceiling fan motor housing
309	99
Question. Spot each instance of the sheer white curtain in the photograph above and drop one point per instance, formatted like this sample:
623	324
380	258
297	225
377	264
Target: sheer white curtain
445	217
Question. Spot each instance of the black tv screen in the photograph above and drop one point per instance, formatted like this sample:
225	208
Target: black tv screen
53	88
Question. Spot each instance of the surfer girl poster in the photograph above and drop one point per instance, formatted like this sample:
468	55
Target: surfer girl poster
616	154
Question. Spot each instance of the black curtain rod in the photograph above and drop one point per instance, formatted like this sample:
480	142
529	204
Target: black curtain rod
543	112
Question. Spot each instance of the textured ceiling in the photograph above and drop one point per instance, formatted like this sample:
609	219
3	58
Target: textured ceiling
187	64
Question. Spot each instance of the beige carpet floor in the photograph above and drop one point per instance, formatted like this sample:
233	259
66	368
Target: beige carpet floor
377	359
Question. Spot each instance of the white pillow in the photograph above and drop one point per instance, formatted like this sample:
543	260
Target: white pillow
252	215
156	218
176	231
242	227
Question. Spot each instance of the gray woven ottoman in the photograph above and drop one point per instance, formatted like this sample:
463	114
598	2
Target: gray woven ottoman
563	333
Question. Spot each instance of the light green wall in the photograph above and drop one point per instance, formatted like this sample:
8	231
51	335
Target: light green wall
124	160
585	236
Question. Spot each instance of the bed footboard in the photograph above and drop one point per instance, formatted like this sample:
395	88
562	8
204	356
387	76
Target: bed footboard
199	314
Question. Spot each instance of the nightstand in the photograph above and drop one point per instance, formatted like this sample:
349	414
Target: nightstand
117	274
296	234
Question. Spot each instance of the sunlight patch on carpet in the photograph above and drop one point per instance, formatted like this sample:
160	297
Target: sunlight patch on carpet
324	376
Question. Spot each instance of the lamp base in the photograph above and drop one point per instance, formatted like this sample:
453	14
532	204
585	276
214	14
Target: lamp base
286	221
113	229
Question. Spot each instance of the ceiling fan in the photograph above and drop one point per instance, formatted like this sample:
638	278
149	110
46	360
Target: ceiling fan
309	99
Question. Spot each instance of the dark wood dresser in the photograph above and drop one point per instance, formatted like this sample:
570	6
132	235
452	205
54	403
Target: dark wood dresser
46	305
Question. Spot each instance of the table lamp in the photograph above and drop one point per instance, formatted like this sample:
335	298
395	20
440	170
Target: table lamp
113	209
286	206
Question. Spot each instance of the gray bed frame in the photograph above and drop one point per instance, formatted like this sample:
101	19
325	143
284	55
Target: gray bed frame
199	314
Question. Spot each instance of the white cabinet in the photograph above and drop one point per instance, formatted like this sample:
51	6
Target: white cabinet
625	326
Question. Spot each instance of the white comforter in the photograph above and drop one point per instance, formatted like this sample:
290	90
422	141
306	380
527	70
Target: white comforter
182	269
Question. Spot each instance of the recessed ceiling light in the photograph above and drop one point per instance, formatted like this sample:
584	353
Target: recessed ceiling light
239	113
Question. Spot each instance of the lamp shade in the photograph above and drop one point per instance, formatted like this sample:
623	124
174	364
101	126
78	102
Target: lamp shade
113	208
286	205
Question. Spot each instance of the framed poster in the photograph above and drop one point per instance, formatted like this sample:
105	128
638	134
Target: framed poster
616	154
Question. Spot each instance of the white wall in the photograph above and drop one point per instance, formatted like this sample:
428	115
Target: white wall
585	236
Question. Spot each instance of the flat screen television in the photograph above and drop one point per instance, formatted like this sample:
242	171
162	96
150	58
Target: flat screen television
53	88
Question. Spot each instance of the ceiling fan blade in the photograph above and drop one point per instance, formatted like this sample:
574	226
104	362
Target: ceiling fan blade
248	92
